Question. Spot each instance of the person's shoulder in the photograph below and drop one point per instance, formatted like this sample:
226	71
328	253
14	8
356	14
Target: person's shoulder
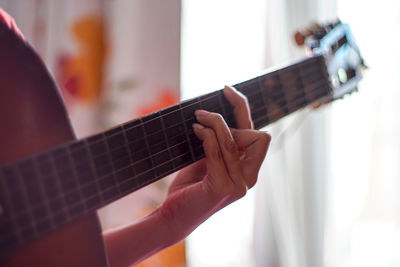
10	22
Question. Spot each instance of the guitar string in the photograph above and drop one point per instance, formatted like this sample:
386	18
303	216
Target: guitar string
120	183
62	194
168	148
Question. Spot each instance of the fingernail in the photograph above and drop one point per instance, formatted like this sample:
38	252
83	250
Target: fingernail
200	112
230	88
197	126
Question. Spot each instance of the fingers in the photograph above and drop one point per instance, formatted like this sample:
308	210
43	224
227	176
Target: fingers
227	145
241	108
217	178
255	144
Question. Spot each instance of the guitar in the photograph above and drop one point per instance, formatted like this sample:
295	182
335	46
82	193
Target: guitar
51	184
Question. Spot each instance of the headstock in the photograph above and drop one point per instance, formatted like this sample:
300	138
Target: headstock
343	59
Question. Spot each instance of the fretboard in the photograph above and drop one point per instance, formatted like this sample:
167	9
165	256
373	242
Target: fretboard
46	191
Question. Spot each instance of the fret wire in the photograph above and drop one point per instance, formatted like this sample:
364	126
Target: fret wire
108	154
297	100
135	177
146	140
127	148
297	94
275	92
220	95
169	147
283	90
58	184
94	171
62	194
163	129
29	210
263	99
11	210
75	177
286	114
43	191
186	132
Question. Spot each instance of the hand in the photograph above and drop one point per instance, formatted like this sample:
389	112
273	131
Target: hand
233	159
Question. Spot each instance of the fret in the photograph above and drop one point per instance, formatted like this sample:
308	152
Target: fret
82	166
148	162
120	157
138	151
41	187
143	165
256	97
129	185
179	149
220	100
114	138
276	102
151	123
156	139
189	107
124	174
173	118
141	180
293	89
91	191
10	236
163	130
164	169
209	102
126	144
29	179
183	159
161	157
15	193
187	134
77	204
57	204
174	131
29	232
134	132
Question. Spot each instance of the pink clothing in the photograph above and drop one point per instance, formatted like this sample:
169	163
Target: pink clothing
9	21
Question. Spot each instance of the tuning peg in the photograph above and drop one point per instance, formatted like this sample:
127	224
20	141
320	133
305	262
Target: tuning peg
300	36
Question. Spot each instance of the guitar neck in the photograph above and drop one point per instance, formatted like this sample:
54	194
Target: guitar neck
45	191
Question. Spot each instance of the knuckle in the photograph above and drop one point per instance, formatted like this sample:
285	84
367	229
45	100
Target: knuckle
265	137
231	146
241	191
252	182
217	117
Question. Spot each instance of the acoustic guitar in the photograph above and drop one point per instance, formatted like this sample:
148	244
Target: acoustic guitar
51	184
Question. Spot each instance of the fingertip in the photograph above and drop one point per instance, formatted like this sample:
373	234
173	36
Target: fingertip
197	129
197	126
230	92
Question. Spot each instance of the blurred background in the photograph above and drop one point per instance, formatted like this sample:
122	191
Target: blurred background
329	190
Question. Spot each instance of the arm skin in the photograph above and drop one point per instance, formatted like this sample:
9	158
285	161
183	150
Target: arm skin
230	168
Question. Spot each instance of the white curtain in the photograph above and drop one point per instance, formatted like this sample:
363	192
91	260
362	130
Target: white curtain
291	200
363	223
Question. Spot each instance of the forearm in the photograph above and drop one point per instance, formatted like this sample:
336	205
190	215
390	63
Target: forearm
135	242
